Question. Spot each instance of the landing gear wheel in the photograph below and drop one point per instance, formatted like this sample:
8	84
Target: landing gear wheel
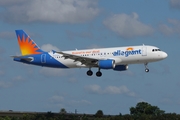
146	70
89	73
98	74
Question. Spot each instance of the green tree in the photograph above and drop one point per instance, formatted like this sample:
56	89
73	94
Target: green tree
7	118
49	115
145	108
99	113
26	117
63	111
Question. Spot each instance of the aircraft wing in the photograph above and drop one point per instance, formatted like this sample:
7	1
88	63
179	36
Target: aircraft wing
88	61
22	58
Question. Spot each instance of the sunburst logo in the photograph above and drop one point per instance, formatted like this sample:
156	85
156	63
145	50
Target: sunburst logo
27	46
129	49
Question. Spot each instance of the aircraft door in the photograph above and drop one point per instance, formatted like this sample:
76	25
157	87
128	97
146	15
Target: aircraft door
144	51
43	58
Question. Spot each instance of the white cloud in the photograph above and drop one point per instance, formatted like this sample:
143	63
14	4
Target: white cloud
172	28
166	101
18	78
56	99
119	90
166	30
5	84
58	11
175	4
49	47
80	102
59	101
10	2
2	72
116	90
7	35
72	35
94	89
72	80
109	90
128	26
48	72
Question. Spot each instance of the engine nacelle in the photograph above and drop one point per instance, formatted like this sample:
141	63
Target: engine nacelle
106	64
121	67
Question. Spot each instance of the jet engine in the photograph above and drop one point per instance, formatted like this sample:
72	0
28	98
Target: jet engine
121	67
106	64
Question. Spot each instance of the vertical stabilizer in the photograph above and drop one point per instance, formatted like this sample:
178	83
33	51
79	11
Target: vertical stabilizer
26	44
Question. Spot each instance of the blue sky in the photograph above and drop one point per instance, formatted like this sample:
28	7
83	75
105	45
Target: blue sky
81	24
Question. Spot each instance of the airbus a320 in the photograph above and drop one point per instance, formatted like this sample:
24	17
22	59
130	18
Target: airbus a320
115	58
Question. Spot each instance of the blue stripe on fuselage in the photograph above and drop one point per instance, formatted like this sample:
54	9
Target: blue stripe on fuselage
41	60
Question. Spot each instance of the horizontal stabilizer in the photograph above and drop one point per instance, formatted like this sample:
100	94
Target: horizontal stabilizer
20	58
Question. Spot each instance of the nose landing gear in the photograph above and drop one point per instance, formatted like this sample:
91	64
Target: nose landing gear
146	67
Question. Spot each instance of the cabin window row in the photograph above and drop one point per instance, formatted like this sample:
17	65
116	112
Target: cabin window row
96	54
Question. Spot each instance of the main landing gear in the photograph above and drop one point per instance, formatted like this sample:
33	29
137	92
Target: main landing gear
90	73
146	67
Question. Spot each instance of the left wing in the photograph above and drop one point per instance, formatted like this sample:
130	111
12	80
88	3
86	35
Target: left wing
88	61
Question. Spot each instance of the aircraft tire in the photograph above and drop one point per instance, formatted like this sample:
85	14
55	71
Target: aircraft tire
146	70
98	74
89	73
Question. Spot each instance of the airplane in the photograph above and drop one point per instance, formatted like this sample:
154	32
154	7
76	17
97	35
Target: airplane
115	58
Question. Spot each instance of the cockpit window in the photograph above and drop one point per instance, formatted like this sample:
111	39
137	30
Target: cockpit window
156	50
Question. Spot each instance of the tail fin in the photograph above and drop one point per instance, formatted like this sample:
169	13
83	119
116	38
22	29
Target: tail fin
26	44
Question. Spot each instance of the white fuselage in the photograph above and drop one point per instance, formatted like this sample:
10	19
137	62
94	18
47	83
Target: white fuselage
121	55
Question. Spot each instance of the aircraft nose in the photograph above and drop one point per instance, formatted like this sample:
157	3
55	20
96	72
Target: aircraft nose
164	55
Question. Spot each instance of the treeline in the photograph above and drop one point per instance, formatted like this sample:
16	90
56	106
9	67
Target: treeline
142	111
167	116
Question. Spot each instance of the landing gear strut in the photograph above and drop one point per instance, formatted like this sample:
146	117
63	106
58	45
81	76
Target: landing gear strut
98	73
146	68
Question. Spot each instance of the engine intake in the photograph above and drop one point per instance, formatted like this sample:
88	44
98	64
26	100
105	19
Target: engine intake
121	67
106	64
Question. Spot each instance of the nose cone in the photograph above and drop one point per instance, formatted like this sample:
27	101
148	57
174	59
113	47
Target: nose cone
164	55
